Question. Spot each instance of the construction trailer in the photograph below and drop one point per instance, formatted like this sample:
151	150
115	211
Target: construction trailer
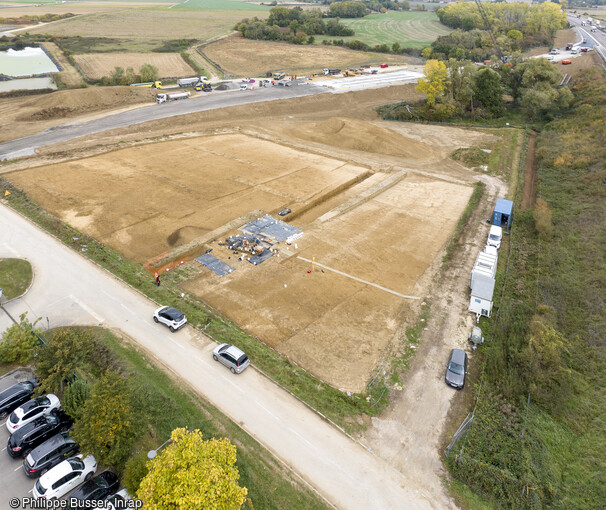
486	265
503	213
480	301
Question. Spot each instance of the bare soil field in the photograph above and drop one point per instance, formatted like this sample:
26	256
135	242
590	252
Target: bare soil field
381	227
69	76
244	57
27	115
145	23
97	65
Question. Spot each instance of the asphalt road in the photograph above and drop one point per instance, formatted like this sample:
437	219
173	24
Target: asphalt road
214	100
595	40
13	481
69	290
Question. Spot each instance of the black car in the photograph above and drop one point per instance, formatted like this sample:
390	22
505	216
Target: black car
25	439
15	396
49	454
98	488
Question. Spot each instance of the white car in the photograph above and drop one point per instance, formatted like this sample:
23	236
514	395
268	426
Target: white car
494	236
31	410
118	500
65	477
170	317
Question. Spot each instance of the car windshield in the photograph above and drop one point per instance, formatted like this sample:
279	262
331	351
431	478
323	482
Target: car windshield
174	314
27	386
76	464
43	401
494	237
51	419
455	368
41	490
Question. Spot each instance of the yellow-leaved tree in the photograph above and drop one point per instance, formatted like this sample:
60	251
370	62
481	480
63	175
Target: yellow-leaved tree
435	82
192	473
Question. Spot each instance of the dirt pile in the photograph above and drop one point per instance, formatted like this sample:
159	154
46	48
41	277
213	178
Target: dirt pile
363	136
69	103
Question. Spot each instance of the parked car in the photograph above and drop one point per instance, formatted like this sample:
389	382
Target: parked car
31	410
97	488
285	83
554	51
16	395
566	62
118	500
495	236
243	86
384	65
456	369
170	317
64	477
584	49
232	357
50	453
573	52
24	440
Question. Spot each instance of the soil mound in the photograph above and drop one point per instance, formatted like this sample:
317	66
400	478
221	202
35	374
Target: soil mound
364	136
69	103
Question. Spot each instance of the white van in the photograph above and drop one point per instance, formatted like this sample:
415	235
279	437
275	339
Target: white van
494	236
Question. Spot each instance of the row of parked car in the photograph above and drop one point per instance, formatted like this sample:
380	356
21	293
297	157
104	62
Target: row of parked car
38	429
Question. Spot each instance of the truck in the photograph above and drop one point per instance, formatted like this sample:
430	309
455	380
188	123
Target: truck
279	76
331	71
191	82
150	84
171	96
485	265
569	46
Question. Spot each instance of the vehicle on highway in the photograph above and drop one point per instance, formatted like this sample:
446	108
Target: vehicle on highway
232	357
15	396
24	440
32	410
566	62
456	369
50	453
64	477
118	500
96	489
170	317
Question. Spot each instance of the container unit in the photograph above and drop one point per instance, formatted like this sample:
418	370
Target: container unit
485	265
480	301
503	213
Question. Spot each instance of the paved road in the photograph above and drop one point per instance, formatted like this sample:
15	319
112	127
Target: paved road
27	145
595	40
69	289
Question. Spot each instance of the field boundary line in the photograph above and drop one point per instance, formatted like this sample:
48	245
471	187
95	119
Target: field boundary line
358	279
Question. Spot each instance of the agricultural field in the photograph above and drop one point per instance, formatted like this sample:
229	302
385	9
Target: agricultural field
97	65
245	57
228	5
409	29
131	28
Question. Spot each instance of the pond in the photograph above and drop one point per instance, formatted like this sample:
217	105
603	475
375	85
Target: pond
26	62
27	84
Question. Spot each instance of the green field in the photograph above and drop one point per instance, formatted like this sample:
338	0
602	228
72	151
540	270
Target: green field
410	29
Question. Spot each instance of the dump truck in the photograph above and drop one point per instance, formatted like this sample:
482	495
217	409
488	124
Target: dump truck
171	96
192	82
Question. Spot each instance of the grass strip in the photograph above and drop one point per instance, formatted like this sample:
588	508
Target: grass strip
15	277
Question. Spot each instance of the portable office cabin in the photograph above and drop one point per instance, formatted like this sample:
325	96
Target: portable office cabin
503	213
480	301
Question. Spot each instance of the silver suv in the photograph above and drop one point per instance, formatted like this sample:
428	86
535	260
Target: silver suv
232	357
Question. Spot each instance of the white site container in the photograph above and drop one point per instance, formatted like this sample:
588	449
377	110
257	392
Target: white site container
480	301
